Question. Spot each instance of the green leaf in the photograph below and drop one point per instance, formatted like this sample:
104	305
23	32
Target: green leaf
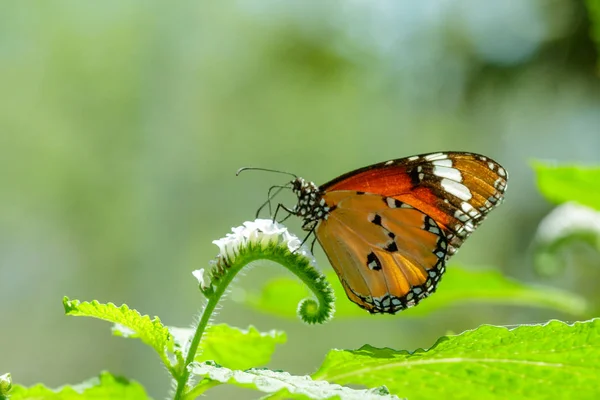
132	324
282	383
106	386
280	295
551	361
232	347
560	184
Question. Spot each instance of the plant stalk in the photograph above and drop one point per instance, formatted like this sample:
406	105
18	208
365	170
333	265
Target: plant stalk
213	300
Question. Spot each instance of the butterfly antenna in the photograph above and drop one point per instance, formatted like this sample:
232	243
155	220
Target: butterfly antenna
270	197
239	171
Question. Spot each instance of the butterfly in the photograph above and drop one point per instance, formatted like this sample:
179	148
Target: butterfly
388	229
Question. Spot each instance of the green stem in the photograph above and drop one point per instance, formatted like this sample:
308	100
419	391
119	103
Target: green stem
185	373
213	300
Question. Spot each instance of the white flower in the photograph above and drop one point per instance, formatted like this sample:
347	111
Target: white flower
5	384
261	232
199	274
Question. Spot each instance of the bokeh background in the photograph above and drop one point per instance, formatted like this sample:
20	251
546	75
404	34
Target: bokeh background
122	125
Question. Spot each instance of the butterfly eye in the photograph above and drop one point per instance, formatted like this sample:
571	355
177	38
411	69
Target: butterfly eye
297	185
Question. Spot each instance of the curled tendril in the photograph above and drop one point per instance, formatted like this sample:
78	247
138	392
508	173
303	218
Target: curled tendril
267	240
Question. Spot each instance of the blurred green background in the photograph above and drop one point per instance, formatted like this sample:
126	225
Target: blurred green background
122	125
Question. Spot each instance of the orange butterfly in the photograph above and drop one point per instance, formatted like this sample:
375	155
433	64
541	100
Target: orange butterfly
389	228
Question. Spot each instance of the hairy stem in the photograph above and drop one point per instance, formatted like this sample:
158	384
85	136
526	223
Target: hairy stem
229	265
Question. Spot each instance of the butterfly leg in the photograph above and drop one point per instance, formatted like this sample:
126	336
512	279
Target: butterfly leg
310	227
312	245
282	207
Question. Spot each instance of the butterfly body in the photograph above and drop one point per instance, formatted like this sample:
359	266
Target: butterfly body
389	228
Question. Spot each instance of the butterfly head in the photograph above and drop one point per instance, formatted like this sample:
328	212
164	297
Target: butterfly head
311	206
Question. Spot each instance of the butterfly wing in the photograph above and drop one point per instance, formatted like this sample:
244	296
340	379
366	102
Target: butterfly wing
456	189
389	228
387	254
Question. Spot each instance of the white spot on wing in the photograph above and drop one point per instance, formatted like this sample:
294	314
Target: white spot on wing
457	189
469	209
413	158
391	202
389	162
443	163
435	156
450	173
461	216
469	226
434	229
500	184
